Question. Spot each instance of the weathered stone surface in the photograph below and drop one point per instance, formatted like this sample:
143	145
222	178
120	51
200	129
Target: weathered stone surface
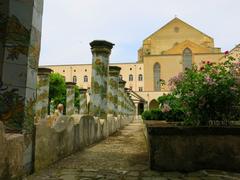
3	151
197	148
11	153
15	149
53	143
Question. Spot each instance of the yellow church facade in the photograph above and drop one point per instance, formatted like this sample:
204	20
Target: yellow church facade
163	54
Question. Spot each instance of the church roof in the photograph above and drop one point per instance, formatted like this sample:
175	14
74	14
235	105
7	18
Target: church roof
181	21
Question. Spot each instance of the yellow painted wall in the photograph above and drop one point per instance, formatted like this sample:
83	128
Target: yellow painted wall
170	66
68	71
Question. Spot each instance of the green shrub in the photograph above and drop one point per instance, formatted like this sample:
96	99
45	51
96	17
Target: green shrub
146	115
208	93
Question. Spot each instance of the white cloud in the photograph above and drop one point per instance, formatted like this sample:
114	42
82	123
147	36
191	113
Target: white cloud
69	25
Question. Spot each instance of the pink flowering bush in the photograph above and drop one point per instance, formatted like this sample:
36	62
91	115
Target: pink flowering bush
209	93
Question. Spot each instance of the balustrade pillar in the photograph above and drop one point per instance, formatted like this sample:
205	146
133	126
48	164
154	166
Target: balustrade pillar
83	109
101	51
42	93
70	97
113	84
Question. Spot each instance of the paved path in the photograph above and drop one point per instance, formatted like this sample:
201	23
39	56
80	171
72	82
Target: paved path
122	156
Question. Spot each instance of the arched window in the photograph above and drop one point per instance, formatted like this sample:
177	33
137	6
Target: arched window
130	77
85	79
75	79
157	82
187	59
140	77
120	77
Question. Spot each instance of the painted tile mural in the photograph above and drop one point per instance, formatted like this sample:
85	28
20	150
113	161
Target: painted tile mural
12	107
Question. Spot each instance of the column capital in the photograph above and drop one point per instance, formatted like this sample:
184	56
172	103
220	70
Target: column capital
82	91
101	46
44	71
114	70
70	84
122	83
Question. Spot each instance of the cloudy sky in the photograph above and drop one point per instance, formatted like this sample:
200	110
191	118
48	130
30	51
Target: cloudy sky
69	25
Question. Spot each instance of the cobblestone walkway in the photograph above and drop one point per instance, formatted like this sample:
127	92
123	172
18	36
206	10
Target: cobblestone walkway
122	156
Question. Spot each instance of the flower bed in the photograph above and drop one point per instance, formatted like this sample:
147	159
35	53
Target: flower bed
204	110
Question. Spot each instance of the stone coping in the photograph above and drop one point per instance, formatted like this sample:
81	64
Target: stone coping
44	71
173	128
101	44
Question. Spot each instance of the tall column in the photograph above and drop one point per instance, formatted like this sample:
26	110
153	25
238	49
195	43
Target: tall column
42	93
20	38
20	34
121	97
126	102
136	109
83	109
70	97
113	83
101	51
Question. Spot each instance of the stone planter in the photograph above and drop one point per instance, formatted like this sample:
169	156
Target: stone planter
181	148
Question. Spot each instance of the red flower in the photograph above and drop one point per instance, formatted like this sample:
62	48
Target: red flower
201	68
226	52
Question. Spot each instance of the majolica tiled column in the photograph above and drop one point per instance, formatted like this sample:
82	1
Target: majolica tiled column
121	97
42	94
113	83
126	102
20	39
83	109
101	51
70	97
20	34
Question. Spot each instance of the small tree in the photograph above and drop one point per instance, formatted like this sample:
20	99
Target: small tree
57	90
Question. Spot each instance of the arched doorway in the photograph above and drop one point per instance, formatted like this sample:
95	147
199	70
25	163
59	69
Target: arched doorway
140	108
153	104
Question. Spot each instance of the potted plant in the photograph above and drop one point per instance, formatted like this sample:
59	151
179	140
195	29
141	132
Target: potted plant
204	110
